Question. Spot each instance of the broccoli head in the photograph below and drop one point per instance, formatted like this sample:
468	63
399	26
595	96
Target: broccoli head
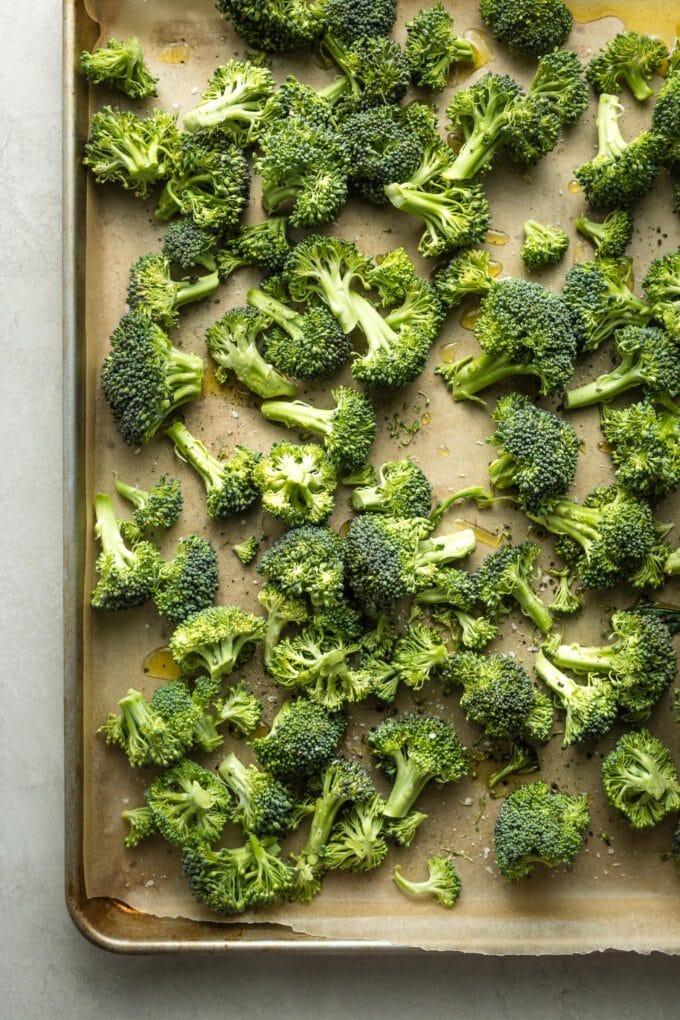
498	692
247	550
307	562
126	577
154	294
350	20
189	805
189	582
591	708
401	490
611	237
210	183
640	779
296	483
543	246
120	65
263	804
374	72
627	59
135	152
232	343
455	215
216	640
560	78
160	507
190	245
357	841
316	663
666	118
601	300
140	825
238	100
528	27
536	825
233	881
662	286
273	25
649	360
240	709
188	714
644	443
442	883
432	47
455	595
142	733
303	739
418	655
229	484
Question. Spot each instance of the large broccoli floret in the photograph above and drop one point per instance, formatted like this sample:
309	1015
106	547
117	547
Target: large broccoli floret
160	507
217	640
442	883
189	245
263	244
466	274
432	47
120	65
560	78
326	268
627	59
498	692
126	577
135	152
591	708
349	20
232	881
611	237
505	577
640	779
240	709
455	215
303	739
543	246
317	663
189	805
600	298
644	444
142	733
232	343
238	101
307	562
666	118
357	841
622	171
296	483
263	804
275	25
662	286
154	294
189	582
536	825
458	591
145	379
209	182
401	490
649	360
374	69
529	27
229	484
418	655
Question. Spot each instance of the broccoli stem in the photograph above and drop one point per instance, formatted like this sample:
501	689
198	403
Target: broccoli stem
585	659
605	387
196	454
297	414
638	84
532	606
672	564
643	774
228	106
285	317
474	493
325	813
135	711
595	232
275	195
408	785
369	497
186	292
107	530
470	375
480	146
205	732
611	142
445	548
427	206
502	471
578	522
561	685
377	331
138	497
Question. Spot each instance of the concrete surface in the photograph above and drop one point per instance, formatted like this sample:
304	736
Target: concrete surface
46	969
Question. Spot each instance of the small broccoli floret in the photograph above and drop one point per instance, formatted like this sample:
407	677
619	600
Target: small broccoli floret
622	171
142	733
274	26
627	59
247	550
238	101
232	881
543	246
264	245
418	654
640	779
264	805
190	245
120	65
442	884
160	507
535	825
240	709
458	591
216	640
126	577
141	825
375	72
349	20
649	359
145	379
357	841
183	714
307	562
645	447
662	286
600	298
302	740
296	483
190	806
154	294
348	429
560	77
188	583
432	47
467	273
210	183
232	343
507	575
455	215
565	603
591	708
528	27
666	118
229	484
282	609
538	451
611	237
498	692
135	152
316	663
403	830
522	762
401	490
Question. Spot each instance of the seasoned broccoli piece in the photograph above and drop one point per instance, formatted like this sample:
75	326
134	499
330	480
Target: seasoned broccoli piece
303	739
348	429
190	245
640	779
238	100
141	825
505	576
662	287
465	274
307	562
459	592
627	59
135	152
442	884
432	47
232	881
145	379
622	171
498	692
229	484
240	709
188	583
187	714
523	329
232	343
126	577
374	72
296	483
189	805
401	490
543	246
455	215
316	663
521	762
154	294
590	708
325	268
645	447
217	640
160	507
263	804
565	603
536	825
282	609
418	654
538	451
275	26
120	65
599	296
528	27
142	733
560	77
389	557
264	245
385	145
666	119
649	359
210	183
350	20
611	237
247	550
357	841
403	830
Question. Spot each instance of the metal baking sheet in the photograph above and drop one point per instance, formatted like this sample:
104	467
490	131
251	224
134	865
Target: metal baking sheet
619	894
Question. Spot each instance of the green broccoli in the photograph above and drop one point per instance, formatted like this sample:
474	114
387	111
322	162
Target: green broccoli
264	245
543	246
188	714
466	274
240	709
644	443
160	507
120	65
599	296
662	287
350	20
126	577
505	576
296	483
238	101
273	26
591	708
666	118
640	779
154	294
282	609
455	215
142	733
357	841
528	27
418	655
521	762
217	640
374	72
442	884
498	692
649	359
190	245
210	183
316	663
611	237
307	562
560	77
627	59
189	582
135	152
229	484
403	830
141	825
263	804
401	490
303	739
233	881
536	825
565	603
458	591
189	805
247	550
432	47
232	343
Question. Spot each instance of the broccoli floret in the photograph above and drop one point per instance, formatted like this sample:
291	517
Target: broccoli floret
565	603
389	557
232	343
432	47
649	359
316	663
232	881
186	716
188	583
528	27
275	26
120	65
210	183
141	825
599	296
154	294
349	20
590	708
135	152
560	77
455	215
189	805
297	483
348	429
458	591
543	246
217	640
662	287
521	762
442	884
611	237
307	562
627	59
282	609
142	733
622	171
126	577
403	830
240	709
357	842
247	550
645	447
264	245
326	268
238	101
640	779
467	273
506	576
160	507
498	692
523	329
401	490
418	654
263	804
536	825
666	119
303	739
229	484
375	72
190	245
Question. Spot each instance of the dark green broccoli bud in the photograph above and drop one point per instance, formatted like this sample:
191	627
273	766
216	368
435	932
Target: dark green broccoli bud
188	583
627	59
264	245
543	246
375	72
316	663
126	577
272	25
141	825
296	483
611	237
467	273
282	609
565	603
591	708
142	733
175	705
534	131
560	77
350	20
190	806
666	119
263	804
601	300
662	287
308	344
135	152
622	171
357	842
521	762
210	183
302	740
238	101
348	429
232	343
232	881
418	654
442	884
649	359
528	27
523	329
640	779
538	451
535	825
216	640
389	557
145	378
505	576
498	692
120	65
240	709
307	562
247	550
190	245
645	447
402	830
160	507
432	47
401	490
229	484
154	294
455	215
414	750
